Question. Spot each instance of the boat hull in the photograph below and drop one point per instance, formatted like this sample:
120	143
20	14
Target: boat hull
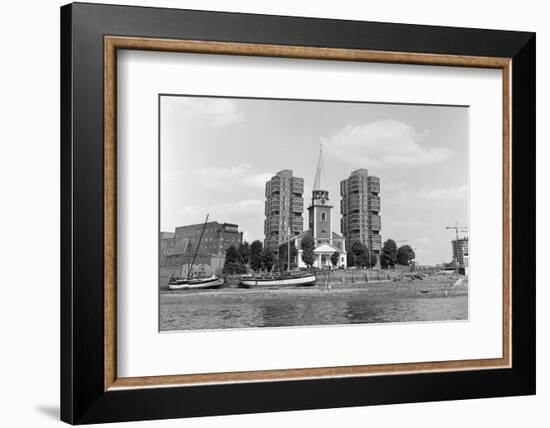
302	281
193	284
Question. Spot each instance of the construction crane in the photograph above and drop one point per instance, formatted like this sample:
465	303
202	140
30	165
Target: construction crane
457	229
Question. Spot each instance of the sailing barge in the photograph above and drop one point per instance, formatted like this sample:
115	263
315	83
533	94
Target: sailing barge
286	279
194	283
190	282
278	281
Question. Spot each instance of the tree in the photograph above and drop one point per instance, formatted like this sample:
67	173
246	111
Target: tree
356	249
373	260
268	258
364	257
389	254
334	258
244	252
231	255
283	254
404	255
308	245
233	268
233	263
361	255
255	255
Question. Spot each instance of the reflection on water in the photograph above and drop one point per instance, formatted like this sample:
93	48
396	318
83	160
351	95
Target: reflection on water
273	313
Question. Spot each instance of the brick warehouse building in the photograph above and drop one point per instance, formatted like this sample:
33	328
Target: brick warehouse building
360	209
178	249
166	244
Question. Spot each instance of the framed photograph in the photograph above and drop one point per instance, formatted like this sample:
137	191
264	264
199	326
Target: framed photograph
266	213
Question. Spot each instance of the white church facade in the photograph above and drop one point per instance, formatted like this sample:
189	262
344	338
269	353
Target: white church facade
326	241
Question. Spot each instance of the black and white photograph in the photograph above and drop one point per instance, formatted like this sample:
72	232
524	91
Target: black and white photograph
275	214
290	212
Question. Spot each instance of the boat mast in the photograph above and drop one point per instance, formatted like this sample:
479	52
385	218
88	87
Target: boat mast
288	253
188	256
198	246
288	244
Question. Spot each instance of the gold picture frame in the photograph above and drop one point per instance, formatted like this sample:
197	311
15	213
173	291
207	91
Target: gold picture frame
114	43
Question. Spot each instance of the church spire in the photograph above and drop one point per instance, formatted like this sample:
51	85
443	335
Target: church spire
320	182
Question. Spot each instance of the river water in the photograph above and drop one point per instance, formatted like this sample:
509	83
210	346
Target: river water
205	315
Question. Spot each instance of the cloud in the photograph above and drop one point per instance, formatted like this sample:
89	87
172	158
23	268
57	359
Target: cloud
423	240
443	194
232	177
256	204
439	195
222	210
384	143
248	214
429	195
218	111
405	223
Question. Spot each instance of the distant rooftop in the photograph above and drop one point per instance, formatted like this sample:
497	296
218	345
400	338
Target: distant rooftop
360	171
210	223
285	173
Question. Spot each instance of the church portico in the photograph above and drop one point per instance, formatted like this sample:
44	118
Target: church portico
322	256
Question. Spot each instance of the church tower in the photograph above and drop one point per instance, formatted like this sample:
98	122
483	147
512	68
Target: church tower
320	208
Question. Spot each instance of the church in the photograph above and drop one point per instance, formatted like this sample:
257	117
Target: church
327	242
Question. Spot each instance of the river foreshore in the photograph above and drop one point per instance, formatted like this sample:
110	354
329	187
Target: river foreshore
385	288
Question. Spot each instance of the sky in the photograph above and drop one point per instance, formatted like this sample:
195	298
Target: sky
217	153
